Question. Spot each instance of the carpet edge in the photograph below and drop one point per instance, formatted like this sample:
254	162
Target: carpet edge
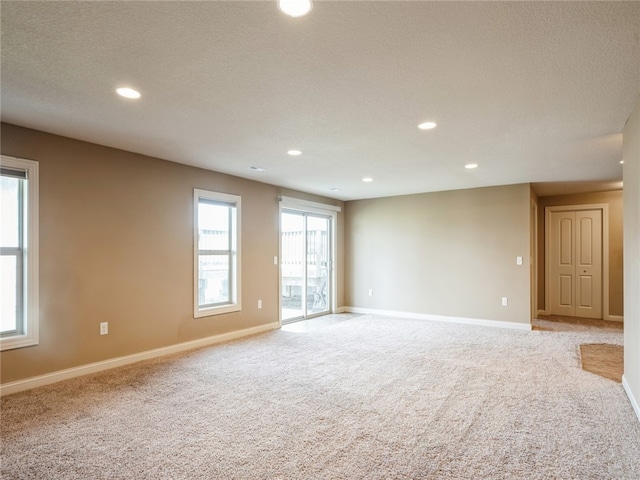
60	375
442	318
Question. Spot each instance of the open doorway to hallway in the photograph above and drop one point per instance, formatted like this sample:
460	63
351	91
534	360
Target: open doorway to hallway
576	289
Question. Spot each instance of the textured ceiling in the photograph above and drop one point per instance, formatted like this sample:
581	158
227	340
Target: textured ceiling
531	91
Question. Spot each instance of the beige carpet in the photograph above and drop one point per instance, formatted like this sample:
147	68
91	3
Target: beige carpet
369	398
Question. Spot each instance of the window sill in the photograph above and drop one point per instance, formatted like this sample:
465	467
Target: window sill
17	341
209	312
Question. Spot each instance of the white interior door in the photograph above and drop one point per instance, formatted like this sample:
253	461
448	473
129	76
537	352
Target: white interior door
575	263
589	264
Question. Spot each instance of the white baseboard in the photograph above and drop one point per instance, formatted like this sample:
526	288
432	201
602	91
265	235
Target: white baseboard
341	310
634	403
442	318
33	382
541	312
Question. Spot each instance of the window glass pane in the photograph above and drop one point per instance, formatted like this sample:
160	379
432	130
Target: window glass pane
292	264
8	293
213	226
213	283
9	211
19	253
317	263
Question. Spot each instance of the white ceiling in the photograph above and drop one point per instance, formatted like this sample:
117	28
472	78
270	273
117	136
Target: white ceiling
532	91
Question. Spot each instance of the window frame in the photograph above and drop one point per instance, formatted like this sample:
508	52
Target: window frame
234	304
27	334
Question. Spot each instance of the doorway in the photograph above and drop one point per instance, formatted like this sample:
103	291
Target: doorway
306	262
576	261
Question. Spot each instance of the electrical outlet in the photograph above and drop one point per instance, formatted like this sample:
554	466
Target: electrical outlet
275	260
505	301
104	328
259	303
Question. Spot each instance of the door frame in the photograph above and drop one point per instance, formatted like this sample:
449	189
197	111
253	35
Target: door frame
534	258
306	206
604	208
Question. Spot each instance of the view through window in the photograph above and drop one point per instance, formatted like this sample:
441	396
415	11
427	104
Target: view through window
216	234
18	253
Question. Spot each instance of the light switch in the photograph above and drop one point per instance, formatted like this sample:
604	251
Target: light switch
518	260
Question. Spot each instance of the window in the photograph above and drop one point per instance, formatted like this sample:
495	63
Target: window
217	253
18	253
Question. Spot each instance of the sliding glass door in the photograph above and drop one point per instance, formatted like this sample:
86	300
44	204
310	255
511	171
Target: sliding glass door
305	264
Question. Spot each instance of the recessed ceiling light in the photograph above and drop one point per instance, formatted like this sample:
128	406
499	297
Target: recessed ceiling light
335	190
367	179
128	92
427	125
257	169
294	153
621	162
295	8
471	166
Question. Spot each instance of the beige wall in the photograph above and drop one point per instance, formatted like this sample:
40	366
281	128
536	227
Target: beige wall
631	156
447	253
614	201
116	245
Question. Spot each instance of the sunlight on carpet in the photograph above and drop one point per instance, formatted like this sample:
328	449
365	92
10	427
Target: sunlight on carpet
603	359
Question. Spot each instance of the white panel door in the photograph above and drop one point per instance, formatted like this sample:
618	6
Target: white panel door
562	263
575	263
589	264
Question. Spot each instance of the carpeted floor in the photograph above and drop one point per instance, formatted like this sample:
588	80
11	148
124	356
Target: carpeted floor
371	397
603	359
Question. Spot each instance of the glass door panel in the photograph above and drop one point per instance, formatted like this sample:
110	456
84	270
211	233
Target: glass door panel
292	265
317	264
305	264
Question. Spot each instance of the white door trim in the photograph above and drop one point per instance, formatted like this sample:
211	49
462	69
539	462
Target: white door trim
534	259
605	250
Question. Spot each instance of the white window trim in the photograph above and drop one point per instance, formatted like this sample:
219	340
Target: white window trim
308	206
236	303
30	323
